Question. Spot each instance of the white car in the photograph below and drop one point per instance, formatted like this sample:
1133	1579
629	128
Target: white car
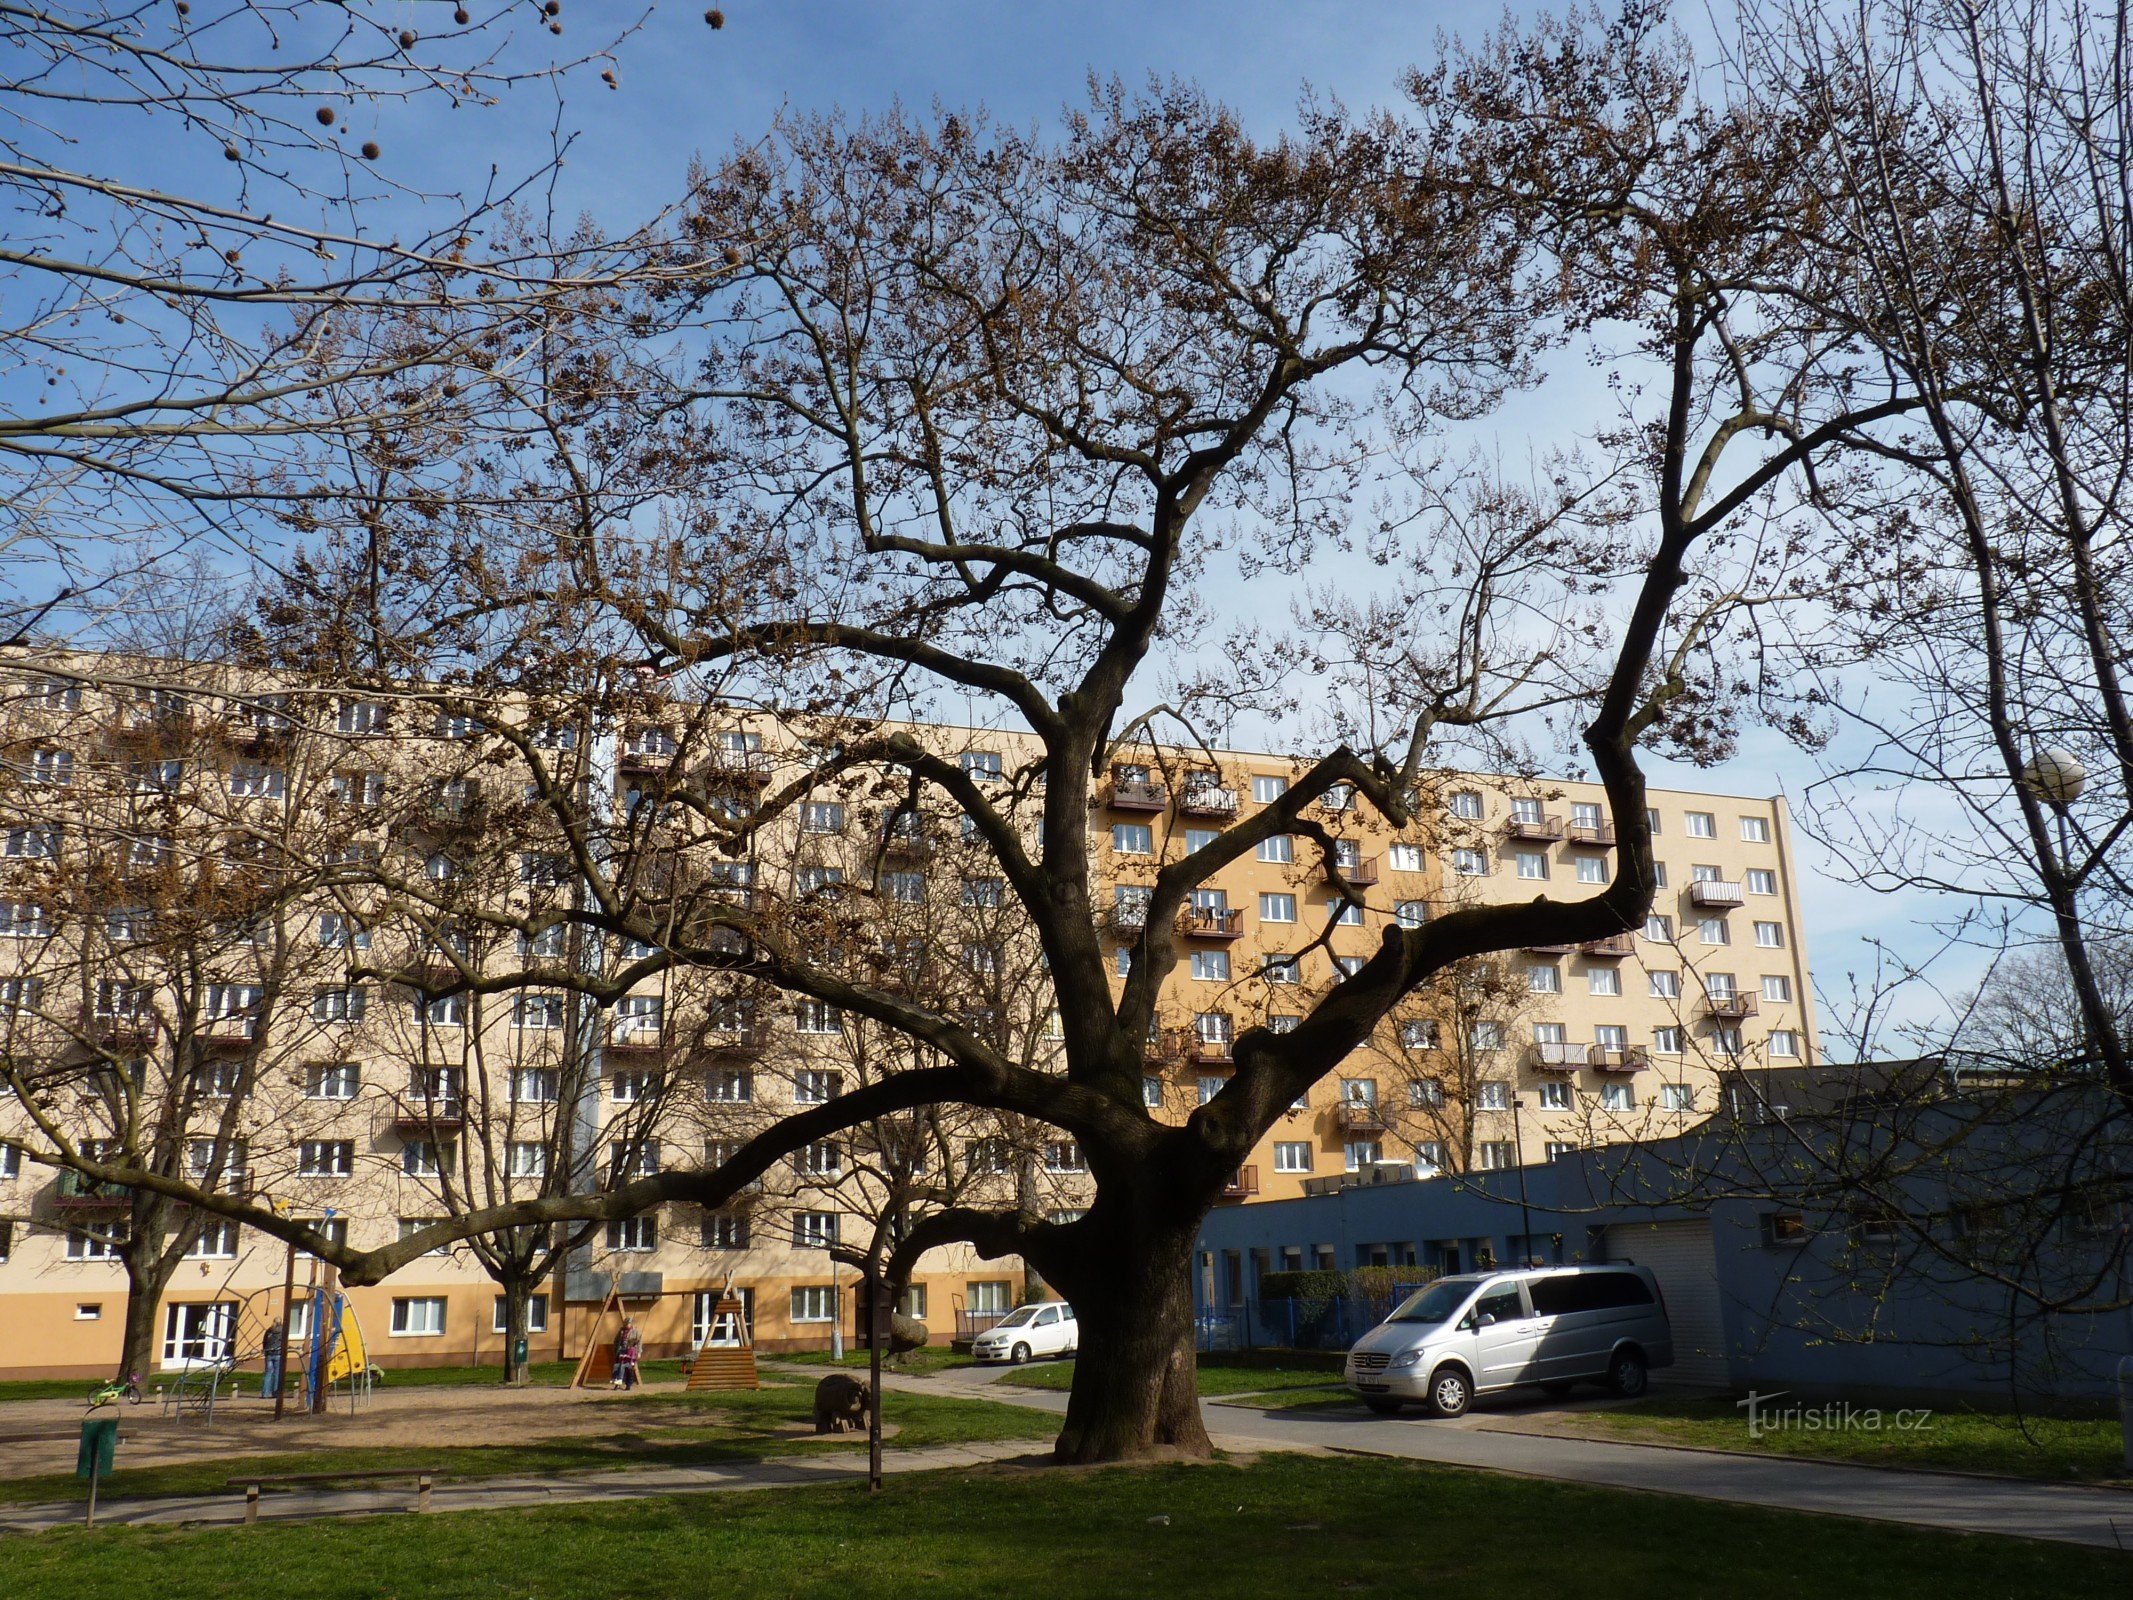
1046	1330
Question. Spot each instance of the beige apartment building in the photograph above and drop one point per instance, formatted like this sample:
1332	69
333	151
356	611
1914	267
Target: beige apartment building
200	882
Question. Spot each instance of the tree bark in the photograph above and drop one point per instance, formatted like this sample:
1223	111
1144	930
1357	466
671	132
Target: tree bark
1136	1385
518	1294
145	1279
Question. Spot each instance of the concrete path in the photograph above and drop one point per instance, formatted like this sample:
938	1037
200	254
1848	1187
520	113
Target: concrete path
507	1494
2066	1514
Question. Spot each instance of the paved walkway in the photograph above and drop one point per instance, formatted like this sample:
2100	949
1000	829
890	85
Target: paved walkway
508	1494
2066	1514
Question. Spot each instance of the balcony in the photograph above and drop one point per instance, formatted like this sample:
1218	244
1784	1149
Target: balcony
1243	1184
1168	1047
1549	949
1360	873
416	1118
229	1033
1611	948
1539	830
911	847
1729	1007
77	1193
737	766
735	1044
1361	1116
1207	800
121	1033
1716	894
1210	1052
1605	1060
1195	923
1128	916
645	760
1598	834
637	1039
1136	794
1561	1056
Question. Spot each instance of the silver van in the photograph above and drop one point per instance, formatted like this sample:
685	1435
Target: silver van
1485	1331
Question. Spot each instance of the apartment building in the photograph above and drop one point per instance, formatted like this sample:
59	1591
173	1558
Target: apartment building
291	941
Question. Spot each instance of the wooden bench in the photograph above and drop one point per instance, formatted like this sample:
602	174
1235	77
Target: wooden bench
254	1484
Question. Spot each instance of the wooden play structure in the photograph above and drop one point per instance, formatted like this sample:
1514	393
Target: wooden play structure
725	1360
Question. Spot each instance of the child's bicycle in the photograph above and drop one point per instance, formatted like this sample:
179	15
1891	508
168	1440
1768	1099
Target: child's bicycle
112	1391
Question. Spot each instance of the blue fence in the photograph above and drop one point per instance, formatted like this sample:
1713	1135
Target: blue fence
1328	1324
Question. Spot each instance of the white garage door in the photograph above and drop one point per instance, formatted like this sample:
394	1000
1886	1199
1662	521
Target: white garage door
1679	1254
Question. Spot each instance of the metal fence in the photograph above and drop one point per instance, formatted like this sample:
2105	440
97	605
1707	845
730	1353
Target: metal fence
1332	1323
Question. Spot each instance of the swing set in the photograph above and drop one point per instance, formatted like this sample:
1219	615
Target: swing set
725	1360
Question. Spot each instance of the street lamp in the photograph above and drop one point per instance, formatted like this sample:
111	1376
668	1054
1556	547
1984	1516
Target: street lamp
2055	776
1518	1157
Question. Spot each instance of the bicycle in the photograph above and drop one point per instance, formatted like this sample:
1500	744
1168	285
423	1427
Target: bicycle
112	1391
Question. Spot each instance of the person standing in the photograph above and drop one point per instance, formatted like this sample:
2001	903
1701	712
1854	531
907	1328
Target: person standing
629	1348
270	1350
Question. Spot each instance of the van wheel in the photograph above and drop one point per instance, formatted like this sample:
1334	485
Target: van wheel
1449	1392
1020	1354
1626	1375
1384	1407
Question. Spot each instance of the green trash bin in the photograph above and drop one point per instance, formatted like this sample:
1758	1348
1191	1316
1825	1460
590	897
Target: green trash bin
518	1354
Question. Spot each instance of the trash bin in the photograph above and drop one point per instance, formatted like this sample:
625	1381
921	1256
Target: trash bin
518	1355
2125	1405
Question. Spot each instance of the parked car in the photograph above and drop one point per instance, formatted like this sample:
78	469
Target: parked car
1483	1332
1046	1330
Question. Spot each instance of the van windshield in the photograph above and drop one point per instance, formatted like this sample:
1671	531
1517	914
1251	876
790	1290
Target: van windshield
1437	1303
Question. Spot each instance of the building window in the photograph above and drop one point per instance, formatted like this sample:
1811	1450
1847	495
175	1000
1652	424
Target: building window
814	1230
981	766
1211	966
1554	1149
1419	1034
1465	804
1770	935
1659	929
1064	1155
331	1080
1755	830
730	1086
420	1158
528	1159
1152	1093
818	1017
1761	880
1132	839
536	1316
1542	979
539	1013
1492	1095
906	888
1603	981
99	1244
1277	908
1664	985
725	1230
1487	1036
1280	850
1677	1097
1470	863
990	1298
1699	825
217	1241
822	1159
1361	1153
1425	1094
325	1158
1784	1044
542	870
1266	790
1429	1158
1532	864
1713	930
1292	1156
1497	1155
1666	1041
1555	1097
533	1085
418	1316
822	816
1617	1097
1784	1228
1592	869
1280	969
1209	1087
635	1235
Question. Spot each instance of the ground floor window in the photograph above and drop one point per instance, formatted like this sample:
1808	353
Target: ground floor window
536	1315
721	1330
95	1244
197	1334
815	1302
419	1315
913	1304
991	1298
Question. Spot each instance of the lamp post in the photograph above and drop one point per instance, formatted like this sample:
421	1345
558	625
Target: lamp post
1518	1157
2056	777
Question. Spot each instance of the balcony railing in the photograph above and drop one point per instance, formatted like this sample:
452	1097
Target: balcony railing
78	1193
1607	1060
1610	948
741	766
1210	1052
900	846
1243	1184
1136	794
1542	830
1729	1007
1360	873
1196	923
729	1044
645	760
446	1114
1207	800
1362	1116
637	1038
1717	894
229	1033
1560	1056
1128	916
1549	949
1592	833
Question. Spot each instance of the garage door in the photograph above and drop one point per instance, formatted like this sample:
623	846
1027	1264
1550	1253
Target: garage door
1679	1254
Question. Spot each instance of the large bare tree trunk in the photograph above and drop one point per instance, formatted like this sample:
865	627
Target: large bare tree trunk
149	1269
518	1294
1136	1388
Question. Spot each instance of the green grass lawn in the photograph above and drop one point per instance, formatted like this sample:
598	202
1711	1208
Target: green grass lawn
1222	1372
542	1374
735	1426
2065	1449
1288	1525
